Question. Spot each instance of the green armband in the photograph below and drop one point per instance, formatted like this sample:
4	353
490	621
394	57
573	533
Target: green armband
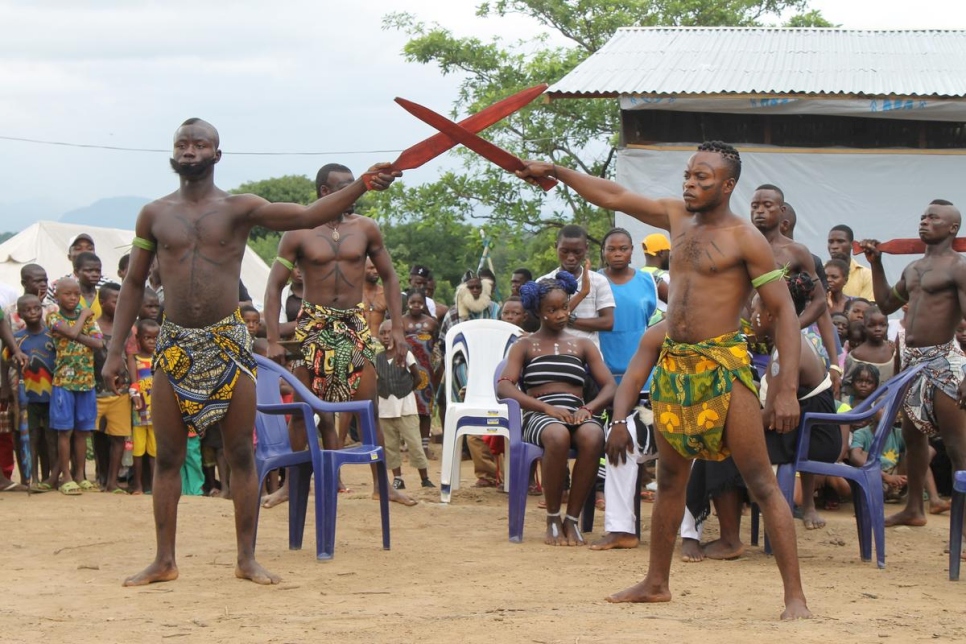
768	278
284	262
899	297
144	244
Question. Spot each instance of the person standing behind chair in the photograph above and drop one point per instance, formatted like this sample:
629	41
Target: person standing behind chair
398	410
840	240
473	302
635	296
935	288
595	312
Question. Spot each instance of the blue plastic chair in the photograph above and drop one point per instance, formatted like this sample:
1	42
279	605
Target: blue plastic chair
274	451
865	481
956	524
522	455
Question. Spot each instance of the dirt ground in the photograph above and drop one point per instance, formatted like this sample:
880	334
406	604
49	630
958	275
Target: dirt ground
451	576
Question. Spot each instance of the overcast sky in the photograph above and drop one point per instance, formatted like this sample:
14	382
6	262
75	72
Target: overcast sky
280	76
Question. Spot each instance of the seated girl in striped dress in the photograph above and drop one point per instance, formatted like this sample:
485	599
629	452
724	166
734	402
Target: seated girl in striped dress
551	367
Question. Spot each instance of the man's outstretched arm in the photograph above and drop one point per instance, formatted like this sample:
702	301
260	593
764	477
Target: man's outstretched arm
604	193
292	216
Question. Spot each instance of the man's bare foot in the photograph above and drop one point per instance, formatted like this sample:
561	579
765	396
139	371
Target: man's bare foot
277	497
723	550
691	551
796	609
644	592
572	536
555	534
156	572
396	496
812	519
906	517
615	541
252	570
939	506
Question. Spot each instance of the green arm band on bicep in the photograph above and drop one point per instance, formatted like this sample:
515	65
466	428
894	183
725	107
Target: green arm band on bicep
284	262
144	244
899	297
768	278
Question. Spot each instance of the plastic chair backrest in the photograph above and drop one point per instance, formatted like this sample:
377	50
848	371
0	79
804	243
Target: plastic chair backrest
303	393
886	399
271	429
896	387
484	343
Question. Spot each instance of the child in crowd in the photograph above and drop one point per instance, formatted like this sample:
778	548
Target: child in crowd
841	323
397	410
865	380
856	336
142	378
87	268
122	265
513	311
113	410
961	334
875	349
33	278
36	379
151	305
421	330
837	276
855	309
253	322
73	402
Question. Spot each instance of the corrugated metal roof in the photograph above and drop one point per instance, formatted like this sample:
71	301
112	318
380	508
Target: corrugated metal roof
729	60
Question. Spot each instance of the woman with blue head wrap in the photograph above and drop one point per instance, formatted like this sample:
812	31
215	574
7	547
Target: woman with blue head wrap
547	373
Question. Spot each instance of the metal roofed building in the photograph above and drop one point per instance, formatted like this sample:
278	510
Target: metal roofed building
859	127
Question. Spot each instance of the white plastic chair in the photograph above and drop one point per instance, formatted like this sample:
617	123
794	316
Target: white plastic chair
483	343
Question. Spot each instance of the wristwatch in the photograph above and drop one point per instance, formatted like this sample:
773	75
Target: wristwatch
571	319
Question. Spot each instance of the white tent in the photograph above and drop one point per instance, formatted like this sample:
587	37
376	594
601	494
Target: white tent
45	243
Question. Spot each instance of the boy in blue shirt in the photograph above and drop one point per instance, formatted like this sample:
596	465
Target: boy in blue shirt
36	382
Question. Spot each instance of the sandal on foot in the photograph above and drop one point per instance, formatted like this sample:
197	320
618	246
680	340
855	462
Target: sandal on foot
118	490
87	486
427	483
41	488
481	482
535	490
70	489
398	484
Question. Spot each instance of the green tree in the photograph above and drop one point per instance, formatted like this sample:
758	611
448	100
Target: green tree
577	133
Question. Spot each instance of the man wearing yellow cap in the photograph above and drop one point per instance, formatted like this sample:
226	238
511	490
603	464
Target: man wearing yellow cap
657	259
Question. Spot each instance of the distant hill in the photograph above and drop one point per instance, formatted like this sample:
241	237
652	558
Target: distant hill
112	212
18	215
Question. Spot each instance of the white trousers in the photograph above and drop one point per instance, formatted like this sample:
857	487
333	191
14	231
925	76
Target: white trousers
620	485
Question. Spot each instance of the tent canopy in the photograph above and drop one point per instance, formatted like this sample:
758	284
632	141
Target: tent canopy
45	243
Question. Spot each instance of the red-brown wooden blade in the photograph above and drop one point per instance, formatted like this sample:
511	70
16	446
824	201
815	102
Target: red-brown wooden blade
908	246
484	148
435	145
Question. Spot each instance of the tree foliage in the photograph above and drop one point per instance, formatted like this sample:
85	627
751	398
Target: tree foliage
578	133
